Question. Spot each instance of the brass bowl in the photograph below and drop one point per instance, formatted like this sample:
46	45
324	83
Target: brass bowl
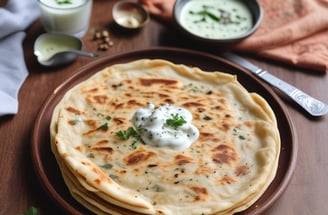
130	15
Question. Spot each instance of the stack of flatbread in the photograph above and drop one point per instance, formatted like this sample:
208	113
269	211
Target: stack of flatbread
224	171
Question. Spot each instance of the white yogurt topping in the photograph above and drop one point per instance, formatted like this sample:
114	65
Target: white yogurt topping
154	129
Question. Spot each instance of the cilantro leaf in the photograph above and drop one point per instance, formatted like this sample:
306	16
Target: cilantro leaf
103	127
130	132
31	211
61	2
176	121
134	144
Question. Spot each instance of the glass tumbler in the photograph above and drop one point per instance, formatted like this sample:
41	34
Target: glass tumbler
66	16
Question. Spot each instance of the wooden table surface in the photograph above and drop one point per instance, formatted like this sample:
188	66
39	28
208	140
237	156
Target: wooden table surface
306	194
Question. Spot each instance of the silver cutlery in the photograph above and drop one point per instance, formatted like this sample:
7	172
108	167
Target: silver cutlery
311	105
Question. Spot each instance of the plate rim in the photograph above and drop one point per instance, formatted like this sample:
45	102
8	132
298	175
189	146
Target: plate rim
66	206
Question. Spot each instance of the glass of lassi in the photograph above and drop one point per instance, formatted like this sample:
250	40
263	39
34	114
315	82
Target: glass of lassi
66	16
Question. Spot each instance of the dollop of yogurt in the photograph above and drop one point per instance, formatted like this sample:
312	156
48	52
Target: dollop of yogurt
154	130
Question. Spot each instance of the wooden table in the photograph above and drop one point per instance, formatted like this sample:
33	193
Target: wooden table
306	194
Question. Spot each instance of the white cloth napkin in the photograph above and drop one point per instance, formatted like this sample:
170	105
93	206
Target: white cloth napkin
15	17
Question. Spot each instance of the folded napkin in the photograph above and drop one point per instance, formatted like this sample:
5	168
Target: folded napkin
16	16
293	31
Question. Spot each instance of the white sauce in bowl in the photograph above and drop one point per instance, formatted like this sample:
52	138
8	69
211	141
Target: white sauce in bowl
216	19
63	3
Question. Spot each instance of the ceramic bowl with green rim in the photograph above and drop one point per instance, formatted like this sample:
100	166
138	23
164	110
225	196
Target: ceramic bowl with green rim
218	21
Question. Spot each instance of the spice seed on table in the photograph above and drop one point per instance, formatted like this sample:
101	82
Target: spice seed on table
103	38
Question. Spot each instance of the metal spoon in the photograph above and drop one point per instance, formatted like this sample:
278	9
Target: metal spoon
58	49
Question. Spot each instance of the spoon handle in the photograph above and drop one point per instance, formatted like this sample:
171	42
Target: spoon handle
308	103
84	53
311	105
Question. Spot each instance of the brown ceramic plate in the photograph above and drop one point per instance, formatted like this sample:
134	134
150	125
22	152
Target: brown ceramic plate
49	173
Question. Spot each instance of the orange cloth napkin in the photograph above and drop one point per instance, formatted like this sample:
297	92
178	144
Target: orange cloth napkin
292	31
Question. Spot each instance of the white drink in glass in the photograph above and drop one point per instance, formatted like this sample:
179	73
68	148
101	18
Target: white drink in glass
66	16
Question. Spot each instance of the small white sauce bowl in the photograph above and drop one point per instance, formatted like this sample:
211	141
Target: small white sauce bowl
253	7
130	15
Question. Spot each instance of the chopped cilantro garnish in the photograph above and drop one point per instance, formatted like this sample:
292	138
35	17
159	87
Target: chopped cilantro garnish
134	144
73	122
31	211
242	137
114	177
107	166
234	131
130	132
176	121
103	127
60	2
206	13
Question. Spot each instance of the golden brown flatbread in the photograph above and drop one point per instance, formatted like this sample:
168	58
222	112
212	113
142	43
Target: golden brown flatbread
224	171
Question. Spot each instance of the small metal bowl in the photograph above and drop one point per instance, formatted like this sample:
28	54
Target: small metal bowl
252	5
130	15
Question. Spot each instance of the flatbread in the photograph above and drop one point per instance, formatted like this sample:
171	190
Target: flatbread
224	171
